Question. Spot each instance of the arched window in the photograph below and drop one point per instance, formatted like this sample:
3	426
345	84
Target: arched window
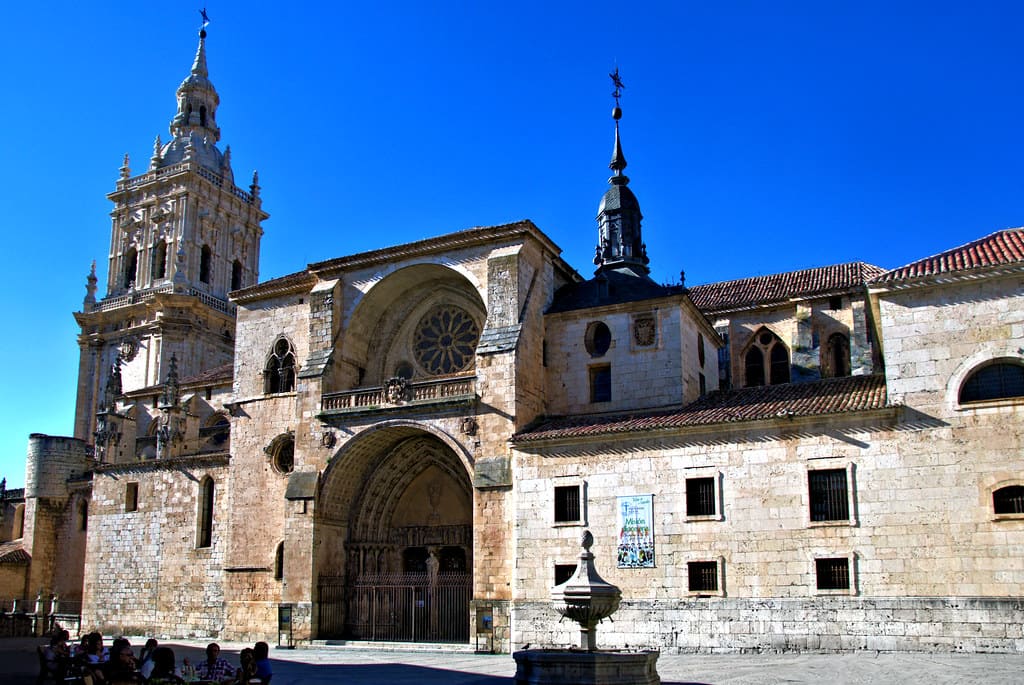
202	115
131	265
279	373
279	561
205	264
1009	500
159	260
204	523
766	345
1001	379
236	275
836	356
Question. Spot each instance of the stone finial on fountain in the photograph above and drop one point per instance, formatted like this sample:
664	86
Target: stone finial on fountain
586	597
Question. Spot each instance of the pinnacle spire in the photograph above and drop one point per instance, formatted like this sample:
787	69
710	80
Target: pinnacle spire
620	245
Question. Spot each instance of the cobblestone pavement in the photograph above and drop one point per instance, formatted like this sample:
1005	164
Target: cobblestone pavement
353	666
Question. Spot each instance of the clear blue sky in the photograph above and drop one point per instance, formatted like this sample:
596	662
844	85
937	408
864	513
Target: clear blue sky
761	137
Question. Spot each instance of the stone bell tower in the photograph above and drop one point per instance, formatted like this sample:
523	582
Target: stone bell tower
183	236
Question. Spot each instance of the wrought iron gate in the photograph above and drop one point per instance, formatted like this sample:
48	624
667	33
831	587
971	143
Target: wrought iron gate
400	607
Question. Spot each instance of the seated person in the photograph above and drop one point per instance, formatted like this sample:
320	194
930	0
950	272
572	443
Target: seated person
163	668
146	657
261	655
121	668
247	667
55	655
215	668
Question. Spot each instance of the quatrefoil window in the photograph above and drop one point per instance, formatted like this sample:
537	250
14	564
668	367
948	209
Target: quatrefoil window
445	340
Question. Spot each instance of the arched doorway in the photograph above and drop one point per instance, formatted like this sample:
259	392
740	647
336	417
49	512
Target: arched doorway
395	540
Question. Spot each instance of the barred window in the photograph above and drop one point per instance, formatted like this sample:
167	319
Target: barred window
564	572
700	497
1009	500
703	576
567	504
828	495
1000	380
833	574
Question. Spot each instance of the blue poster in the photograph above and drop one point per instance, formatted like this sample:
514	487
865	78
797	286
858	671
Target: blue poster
636	531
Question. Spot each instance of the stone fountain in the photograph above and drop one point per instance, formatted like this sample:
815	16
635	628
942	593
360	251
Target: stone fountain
586	599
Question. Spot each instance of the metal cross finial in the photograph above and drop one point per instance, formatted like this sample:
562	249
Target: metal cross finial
617	82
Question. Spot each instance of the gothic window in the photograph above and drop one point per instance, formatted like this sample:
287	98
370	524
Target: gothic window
159	260
131	265
236	275
204	524
1008	500
279	373
205	264
445	340
597	339
836	355
766	360
282	453
1001	379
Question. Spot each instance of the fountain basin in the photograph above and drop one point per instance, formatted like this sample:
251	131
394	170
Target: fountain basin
578	667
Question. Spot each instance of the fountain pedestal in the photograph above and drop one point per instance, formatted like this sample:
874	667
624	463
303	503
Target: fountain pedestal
587	599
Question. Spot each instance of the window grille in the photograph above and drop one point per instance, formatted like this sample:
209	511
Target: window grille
703	576
700	496
833	574
1009	500
995	381
828	495
567	504
564	572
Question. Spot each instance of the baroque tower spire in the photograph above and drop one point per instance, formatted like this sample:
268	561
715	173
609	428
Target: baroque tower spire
620	244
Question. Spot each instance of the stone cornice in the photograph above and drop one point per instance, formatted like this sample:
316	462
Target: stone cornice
171	464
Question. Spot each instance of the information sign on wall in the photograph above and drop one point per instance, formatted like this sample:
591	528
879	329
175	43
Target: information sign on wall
636	531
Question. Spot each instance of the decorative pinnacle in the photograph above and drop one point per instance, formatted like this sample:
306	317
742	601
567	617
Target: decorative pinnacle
618	163
125	169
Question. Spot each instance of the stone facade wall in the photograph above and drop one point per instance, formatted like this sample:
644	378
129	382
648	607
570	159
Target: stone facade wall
831	624
144	573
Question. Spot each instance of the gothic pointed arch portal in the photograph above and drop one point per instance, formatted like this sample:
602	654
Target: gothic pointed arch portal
394	540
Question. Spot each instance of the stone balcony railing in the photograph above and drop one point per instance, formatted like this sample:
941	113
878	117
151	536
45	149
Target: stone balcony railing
149	293
401	394
182	167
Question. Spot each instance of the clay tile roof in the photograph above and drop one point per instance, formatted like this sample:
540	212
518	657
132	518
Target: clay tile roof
14	553
791	400
774	288
998	249
224	372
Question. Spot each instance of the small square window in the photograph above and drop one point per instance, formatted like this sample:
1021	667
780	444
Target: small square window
567	504
703	576
601	383
700	497
835	303
828	495
833	574
564	572
131	497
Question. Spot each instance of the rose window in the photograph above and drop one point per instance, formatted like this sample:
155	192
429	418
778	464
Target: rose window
445	340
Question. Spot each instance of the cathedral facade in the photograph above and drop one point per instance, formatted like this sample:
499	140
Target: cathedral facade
407	444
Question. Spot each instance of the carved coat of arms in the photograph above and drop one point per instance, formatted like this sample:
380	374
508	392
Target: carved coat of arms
643	331
396	390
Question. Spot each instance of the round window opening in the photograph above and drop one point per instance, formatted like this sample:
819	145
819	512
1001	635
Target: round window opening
445	340
598	338
284	456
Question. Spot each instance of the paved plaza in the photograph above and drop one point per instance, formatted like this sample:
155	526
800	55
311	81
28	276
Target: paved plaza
350	665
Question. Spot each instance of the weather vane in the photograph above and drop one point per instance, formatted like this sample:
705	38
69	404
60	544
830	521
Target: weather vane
206	17
617	82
